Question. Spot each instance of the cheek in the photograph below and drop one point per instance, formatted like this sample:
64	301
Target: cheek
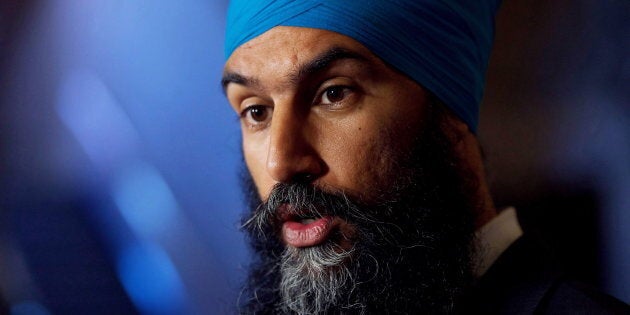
255	154
362	157
376	162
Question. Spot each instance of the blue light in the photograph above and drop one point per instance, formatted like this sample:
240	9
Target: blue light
87	107
145	200
151	280
29	308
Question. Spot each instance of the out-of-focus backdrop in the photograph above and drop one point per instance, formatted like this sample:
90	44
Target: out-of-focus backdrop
119	157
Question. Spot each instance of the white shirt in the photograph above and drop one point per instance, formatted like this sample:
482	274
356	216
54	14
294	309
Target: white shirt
494	238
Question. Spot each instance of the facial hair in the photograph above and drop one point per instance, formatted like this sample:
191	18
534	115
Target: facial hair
411	249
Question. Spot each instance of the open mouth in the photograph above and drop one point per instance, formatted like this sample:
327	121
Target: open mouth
308	232
300	230
307	220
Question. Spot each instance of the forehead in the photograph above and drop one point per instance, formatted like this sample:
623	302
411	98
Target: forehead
284	48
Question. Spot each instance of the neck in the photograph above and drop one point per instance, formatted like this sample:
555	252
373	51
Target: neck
467	147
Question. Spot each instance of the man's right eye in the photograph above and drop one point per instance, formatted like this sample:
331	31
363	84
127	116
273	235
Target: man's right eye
256	114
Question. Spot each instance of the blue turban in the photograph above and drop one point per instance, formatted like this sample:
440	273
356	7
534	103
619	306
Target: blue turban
443	45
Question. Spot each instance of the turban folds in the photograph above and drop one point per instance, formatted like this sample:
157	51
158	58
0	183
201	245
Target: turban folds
443	45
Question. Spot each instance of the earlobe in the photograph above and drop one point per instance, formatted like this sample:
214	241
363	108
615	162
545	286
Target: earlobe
457	131
464	142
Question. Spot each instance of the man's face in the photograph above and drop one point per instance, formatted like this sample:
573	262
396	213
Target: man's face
321	104
349	174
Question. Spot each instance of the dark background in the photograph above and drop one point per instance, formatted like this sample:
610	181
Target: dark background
119	155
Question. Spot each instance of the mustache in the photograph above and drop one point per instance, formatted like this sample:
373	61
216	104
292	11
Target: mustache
300	200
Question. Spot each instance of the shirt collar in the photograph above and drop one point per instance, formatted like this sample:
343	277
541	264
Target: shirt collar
494	238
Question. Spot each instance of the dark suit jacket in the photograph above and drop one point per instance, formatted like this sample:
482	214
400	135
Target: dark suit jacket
525	281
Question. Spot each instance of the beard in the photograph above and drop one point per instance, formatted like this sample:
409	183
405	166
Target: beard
410	246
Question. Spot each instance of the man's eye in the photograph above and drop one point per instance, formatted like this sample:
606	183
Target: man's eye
256	114
334	94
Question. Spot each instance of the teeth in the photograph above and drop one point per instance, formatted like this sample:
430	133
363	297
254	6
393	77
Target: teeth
307	221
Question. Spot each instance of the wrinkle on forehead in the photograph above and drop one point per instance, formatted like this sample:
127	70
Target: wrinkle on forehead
276	56
264	50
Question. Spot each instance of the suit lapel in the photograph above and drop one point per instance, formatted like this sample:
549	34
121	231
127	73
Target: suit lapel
516	283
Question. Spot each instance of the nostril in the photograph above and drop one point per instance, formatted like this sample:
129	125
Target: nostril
303	178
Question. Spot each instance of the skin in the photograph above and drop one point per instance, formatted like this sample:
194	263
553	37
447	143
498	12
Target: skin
336	124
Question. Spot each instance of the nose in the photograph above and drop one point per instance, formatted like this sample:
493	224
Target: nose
292	155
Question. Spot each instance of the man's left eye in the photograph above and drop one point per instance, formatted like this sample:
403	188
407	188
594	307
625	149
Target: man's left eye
334	94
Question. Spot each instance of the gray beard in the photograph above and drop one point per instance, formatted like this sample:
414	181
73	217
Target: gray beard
313	278
412	249
417	260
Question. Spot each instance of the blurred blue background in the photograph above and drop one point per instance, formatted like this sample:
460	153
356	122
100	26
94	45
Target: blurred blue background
120	157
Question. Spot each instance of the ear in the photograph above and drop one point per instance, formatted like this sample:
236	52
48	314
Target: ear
466	147
459	135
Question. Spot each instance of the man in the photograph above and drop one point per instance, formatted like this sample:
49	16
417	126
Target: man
365	177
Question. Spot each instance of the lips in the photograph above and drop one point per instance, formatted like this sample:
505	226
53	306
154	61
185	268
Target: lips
300	229
305	233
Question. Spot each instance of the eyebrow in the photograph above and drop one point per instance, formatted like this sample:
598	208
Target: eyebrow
233	77
317	64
